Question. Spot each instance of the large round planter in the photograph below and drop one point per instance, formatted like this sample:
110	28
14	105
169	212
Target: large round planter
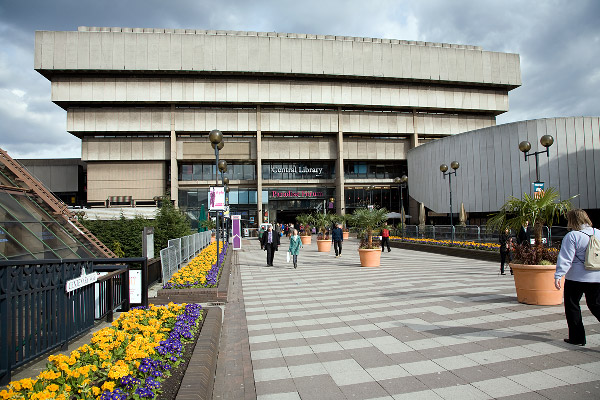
345	235
324	246
305	239
369	257
535	284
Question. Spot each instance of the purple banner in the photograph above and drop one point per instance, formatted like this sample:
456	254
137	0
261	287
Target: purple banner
237	231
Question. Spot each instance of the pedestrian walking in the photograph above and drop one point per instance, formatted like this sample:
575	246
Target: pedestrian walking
295	246
270	242
385	238
505	246
261	231
337	237
579	280
524	235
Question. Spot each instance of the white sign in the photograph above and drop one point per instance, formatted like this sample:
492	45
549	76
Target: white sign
135	286
216	198
82	281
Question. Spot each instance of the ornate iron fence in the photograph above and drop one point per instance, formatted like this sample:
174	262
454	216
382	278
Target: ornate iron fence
37	314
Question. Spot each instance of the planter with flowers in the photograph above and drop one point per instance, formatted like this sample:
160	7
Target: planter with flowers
368	221
306	220
533	265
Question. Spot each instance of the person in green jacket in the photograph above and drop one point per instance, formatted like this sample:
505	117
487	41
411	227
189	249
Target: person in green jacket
261	231
295	245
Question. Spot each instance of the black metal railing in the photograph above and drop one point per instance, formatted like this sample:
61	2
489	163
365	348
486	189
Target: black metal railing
37	314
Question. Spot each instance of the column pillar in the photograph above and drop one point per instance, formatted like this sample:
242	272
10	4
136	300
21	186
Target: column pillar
414	139
259	199
340	200
173	158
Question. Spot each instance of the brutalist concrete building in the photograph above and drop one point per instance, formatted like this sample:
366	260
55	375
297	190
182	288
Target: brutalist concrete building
308	119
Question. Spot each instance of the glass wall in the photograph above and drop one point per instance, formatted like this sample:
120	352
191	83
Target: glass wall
206	171
374	170
388	197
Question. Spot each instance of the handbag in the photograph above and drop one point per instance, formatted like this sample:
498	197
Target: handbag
288	256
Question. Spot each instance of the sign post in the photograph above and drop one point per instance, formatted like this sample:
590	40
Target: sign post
236	221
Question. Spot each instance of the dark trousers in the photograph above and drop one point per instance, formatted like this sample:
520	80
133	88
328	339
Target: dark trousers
270	253
337	246
574	290
295	258
503	256
385	241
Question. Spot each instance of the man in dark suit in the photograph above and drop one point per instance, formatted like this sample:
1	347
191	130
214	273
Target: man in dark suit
524	236
270	242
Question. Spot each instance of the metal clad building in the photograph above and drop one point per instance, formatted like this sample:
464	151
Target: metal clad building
344	110
492	168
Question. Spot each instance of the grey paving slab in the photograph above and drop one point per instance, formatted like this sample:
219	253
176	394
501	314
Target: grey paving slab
420	326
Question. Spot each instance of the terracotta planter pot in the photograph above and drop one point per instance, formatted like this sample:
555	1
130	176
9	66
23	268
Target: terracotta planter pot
345	235
305	239
535	284
369	257
324	246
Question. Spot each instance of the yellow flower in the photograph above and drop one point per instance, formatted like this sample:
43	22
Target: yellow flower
108	385
53	387
96	390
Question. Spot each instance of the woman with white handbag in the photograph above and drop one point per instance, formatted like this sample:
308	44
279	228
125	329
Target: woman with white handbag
295	245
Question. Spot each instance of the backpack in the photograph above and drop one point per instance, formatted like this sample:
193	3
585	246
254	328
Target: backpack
592	253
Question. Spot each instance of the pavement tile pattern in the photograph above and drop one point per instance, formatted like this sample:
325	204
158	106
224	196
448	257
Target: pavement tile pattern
421	326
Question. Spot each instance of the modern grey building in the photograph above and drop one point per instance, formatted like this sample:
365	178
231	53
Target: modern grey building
492	168
65	177
306	118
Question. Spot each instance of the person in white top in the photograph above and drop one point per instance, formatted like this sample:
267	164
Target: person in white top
578	280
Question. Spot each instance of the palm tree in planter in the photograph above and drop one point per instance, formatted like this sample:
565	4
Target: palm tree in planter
369	221
322	221
533	266
306	220
209	225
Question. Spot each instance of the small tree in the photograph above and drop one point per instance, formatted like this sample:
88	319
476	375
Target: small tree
538	210
322	221
208	224
369	220
170	223
305	220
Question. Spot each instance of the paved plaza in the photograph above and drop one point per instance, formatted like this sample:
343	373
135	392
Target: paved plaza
421	326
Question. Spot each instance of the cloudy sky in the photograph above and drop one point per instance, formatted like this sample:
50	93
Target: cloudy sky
558	41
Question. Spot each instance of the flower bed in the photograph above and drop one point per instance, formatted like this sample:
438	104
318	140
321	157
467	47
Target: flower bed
128	360
457	243
201	271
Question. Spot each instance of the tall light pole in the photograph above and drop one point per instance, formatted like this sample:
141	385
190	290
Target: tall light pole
444	168
216	139
401	182
371	188
525	146
223	168
226	182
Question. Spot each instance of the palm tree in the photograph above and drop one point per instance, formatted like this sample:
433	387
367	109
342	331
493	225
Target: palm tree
322	221
539	210
306	220
369	220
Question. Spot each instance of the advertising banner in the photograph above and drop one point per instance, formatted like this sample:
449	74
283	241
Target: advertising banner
216	198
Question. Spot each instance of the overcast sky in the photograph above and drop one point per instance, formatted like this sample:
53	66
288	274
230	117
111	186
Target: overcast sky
558	42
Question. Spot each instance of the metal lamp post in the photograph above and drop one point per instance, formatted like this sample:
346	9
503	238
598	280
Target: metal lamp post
216	139
401	182
223	168
444	168
226	182
525	146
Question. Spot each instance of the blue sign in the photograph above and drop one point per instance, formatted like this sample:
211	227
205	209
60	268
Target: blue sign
538	189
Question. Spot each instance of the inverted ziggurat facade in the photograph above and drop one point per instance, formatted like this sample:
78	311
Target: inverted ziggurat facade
308	120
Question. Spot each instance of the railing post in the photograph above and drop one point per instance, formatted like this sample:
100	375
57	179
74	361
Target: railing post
67	309
144	282
109	300
125	290
5	326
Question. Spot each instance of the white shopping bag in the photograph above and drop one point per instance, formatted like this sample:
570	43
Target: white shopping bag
288	256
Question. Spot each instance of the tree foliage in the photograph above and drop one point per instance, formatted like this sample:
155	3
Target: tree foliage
369	220
124	236
305	220
538	210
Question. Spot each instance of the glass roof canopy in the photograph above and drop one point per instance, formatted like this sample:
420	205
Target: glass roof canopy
28	229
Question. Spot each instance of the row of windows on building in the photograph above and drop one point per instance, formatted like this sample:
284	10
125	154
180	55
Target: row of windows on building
294	170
